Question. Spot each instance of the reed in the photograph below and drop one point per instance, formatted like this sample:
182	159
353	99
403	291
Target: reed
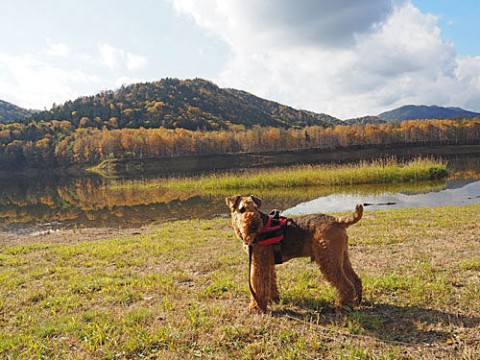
374	172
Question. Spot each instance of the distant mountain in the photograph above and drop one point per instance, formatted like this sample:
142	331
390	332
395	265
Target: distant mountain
414	112
172	103
10	113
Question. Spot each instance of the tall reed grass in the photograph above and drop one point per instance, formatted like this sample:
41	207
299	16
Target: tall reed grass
373	172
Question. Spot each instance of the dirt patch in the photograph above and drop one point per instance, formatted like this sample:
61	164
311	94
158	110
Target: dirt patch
69	235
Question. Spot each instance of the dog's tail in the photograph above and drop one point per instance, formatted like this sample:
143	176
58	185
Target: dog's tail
352	219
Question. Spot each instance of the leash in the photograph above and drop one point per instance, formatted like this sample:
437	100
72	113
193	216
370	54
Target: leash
250	254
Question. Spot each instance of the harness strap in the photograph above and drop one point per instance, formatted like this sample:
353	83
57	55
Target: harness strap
273	231
277	253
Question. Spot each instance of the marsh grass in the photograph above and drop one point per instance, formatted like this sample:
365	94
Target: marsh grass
180	291
388	171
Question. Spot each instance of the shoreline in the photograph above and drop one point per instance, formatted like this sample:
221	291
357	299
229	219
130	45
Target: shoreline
211	163
105	233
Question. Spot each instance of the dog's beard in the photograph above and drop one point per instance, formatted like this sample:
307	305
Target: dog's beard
251	225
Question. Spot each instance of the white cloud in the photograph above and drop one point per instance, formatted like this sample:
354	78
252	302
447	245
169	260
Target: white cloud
35	83
57	48
118	59
56	73
135	62
345	58
111	56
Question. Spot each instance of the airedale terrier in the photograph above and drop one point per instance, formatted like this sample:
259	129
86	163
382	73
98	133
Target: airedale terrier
321	237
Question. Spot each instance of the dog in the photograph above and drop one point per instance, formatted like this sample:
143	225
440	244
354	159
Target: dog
321	237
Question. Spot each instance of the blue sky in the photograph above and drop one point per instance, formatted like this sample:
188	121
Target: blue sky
346	58
458	21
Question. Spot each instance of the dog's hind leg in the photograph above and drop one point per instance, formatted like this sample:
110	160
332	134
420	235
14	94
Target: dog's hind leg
354	278
333	270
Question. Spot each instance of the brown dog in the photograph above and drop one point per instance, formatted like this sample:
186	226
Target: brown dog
321	237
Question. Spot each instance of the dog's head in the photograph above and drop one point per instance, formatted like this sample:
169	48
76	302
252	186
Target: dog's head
246	218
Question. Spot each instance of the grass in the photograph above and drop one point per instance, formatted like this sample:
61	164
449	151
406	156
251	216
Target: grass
180	291
376	172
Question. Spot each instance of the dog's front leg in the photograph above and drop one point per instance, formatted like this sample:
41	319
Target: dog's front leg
261	278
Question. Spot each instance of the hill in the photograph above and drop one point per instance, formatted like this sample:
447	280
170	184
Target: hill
414	112
11	113
172	103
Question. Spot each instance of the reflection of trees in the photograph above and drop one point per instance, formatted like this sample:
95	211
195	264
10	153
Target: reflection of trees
94	201
89	199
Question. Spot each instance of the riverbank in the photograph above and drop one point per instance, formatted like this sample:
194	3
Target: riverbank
179	290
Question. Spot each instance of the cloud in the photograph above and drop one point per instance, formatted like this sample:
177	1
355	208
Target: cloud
117	59
135	62
56	73
35	83
57	49
346	58
257	23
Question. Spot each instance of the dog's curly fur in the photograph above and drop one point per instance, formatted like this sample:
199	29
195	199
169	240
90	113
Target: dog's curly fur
321	237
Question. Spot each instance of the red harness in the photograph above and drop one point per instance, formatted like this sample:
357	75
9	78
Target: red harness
273	231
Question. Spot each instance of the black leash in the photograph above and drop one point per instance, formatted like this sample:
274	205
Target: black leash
250	253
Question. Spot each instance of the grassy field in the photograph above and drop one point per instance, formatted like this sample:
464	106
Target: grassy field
375	172
179	291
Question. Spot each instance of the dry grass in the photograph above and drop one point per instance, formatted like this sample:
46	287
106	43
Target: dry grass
180	291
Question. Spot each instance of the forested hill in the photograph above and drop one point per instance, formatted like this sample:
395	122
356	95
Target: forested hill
10	113
415	112
172	103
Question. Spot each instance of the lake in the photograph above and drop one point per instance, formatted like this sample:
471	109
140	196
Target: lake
48	202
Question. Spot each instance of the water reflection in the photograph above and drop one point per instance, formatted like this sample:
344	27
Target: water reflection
50	202
451	195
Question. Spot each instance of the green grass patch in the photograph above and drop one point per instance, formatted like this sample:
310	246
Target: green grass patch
470	264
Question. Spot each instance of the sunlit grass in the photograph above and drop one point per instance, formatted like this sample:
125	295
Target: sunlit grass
376	172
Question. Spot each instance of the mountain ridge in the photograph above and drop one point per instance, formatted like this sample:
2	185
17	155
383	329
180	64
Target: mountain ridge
201	104
419	112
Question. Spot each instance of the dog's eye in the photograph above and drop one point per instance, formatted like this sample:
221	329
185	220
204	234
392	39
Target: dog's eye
242	209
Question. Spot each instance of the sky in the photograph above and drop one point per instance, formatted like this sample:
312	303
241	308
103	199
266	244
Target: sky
345	58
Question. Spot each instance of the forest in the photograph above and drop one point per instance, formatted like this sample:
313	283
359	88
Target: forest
172	118
59	143
172	103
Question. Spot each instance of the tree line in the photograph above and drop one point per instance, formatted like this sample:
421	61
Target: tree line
59	143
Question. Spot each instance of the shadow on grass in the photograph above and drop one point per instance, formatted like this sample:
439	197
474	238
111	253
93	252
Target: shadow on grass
411	325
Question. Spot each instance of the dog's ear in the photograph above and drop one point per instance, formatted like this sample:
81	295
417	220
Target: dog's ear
256	200
232	201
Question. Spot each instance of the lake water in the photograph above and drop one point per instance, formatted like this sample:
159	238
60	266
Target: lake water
453	193
30	205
